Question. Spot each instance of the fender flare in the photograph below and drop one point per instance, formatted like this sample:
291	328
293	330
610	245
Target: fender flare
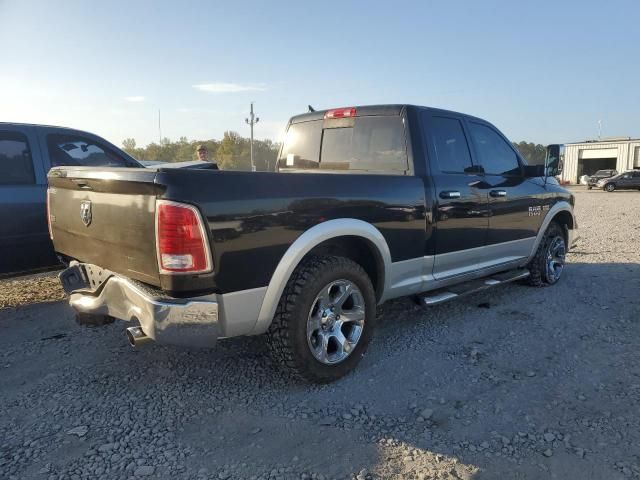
322	232
562	206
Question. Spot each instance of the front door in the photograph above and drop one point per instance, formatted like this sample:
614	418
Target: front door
24	239
515	203
461	204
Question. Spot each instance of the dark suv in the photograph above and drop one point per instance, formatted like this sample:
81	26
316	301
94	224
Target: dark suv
600	175
624	181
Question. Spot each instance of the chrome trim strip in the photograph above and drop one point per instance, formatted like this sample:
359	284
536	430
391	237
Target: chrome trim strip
463	261
314	236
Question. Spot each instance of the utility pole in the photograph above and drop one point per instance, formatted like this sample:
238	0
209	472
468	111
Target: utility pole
599	129
251	121
159	129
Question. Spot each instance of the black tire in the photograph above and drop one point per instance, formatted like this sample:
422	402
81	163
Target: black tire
90	320
609	187
590	187
287	336
540	274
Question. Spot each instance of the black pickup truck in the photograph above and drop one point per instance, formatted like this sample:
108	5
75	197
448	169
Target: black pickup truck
366	204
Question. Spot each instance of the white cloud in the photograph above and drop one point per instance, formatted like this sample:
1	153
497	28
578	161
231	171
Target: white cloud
228	87
135	99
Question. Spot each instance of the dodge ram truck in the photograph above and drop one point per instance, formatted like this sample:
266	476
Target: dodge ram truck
365	204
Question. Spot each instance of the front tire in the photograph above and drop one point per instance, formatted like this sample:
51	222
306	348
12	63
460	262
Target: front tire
589	187
547	265
325	319
609	187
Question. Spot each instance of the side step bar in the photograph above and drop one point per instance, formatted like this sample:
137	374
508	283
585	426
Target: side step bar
445	294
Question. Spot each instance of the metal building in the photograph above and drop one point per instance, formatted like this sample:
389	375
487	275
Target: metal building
588	157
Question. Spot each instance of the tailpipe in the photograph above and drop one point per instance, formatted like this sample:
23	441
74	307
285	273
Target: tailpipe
137	337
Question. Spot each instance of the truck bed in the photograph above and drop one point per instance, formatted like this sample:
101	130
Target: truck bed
252	218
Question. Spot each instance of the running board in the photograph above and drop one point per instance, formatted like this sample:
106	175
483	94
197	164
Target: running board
445	294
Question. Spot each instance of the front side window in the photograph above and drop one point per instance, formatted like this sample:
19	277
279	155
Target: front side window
73	150
450	144
496	155
16	165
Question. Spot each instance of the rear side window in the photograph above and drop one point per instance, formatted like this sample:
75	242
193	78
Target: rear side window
73	150
16	165
496	155
366	144
373	143
450	144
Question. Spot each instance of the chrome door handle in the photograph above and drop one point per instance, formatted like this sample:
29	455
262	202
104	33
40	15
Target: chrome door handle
450	194
498	193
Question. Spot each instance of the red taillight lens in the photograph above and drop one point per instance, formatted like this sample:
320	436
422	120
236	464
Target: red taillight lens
181	240
49	213
341	113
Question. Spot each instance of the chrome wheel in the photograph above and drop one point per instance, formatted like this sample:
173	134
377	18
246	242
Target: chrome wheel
555	259
336	321
610	187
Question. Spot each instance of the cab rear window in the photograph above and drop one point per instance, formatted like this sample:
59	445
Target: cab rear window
368	144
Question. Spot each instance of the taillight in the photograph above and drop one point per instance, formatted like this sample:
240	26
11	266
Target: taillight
49	213
181	240
340	113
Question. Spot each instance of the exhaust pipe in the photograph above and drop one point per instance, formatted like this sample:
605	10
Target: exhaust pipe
137	337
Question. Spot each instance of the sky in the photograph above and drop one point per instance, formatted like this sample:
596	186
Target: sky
541	71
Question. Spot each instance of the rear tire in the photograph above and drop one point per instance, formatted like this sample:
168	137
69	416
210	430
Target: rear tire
90	320
548	263
308	338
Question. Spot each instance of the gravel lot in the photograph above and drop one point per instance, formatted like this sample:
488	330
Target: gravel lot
514	383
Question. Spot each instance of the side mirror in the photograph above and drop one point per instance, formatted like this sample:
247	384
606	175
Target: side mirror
554	160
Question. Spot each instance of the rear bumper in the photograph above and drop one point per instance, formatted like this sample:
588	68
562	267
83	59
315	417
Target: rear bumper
192	322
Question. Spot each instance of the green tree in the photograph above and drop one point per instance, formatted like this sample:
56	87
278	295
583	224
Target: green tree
231	153
533	153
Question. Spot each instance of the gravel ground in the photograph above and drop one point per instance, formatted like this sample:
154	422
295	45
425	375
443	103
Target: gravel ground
517	383
43	287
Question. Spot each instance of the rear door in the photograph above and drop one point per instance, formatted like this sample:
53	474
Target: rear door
462	207
515	203
626	180
24	238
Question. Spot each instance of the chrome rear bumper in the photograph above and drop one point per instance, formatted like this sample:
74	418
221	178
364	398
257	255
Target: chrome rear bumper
178	322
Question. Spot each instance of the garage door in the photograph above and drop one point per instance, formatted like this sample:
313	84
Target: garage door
598	153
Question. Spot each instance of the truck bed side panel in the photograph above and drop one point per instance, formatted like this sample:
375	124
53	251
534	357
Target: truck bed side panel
254	217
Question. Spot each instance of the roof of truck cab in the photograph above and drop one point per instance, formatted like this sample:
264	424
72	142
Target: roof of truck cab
369	110
39	125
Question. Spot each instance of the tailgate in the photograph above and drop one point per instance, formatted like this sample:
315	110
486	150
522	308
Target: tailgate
106	217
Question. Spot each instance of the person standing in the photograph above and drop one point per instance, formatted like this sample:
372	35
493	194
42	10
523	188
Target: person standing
203	154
